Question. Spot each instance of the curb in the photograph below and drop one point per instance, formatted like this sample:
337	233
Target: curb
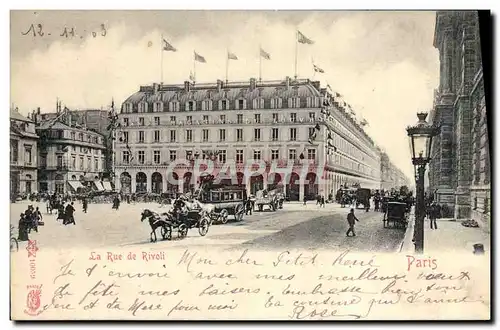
407	240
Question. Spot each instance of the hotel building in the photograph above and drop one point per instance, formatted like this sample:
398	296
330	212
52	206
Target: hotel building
270	121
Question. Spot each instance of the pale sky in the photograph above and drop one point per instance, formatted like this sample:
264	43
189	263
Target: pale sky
383	63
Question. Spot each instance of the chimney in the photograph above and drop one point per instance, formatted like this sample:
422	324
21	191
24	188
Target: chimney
287	82
187	86
252	84
68	118
219	85
38	110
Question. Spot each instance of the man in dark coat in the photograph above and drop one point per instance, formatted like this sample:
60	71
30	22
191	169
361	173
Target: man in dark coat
69	218
350	220
85	204
23	228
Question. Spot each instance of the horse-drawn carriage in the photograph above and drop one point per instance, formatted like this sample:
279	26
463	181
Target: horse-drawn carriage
267	198
396	213
363	196
227	201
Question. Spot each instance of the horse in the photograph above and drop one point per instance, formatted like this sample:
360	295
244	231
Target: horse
154	222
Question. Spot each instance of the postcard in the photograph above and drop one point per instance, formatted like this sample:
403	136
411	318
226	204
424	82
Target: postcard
250	165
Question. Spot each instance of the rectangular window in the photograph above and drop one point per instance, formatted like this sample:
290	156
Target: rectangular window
312	131
174	107
141	136
239	156
239	134
73	162
223	105
293	117
189	120
173	155
141	156
312	115
156	136
275	154
73	136
222	156
275	117
141	121
96	165
157	121
189	135
27	155
81	162
205	135
156	156
293	134
222	119
257	118
239	119
292	154
222	135
172	120
172	136
206	119
275	134
256	134
256	154
311	154
190	106
241	104
126	157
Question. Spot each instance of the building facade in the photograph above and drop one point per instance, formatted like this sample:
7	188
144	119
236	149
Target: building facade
93	119
391	176
23	154
269	121
460	169
69	157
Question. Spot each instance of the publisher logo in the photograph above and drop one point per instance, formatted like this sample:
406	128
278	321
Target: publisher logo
32	248
33	300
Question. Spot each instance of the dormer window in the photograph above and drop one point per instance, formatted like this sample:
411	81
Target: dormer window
224	105
158	107
127	108
294	102
312	102
143	107
240	104
276	103
206	105
190	105
174	106
258	103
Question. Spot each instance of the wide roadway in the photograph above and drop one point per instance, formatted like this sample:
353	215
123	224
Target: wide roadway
294	226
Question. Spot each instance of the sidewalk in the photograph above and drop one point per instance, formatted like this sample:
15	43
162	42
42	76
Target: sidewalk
450	236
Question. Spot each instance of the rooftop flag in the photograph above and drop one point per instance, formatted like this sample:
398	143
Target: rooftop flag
231	56
168	47
199	58
303	39
265	54
318	69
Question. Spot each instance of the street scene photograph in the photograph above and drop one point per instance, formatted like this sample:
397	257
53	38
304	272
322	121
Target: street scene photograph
262	130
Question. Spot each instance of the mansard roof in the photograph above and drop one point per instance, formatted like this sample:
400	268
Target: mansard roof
221	91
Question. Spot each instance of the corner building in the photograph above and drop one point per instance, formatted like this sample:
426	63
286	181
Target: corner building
460	169
269	121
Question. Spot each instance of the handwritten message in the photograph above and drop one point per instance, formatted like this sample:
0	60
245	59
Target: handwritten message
37	30
287	285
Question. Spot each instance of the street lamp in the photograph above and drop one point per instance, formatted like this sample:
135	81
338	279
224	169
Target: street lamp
420	137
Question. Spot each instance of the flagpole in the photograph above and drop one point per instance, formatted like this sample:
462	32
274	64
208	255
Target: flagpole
227	64
296	51
194	66
314	70
260	63
161	60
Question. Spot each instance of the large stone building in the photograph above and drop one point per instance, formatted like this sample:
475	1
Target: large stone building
93	119
460	170
270	121
23	154
70	157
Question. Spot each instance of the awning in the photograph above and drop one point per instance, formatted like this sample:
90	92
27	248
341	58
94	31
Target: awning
75	185
107	186
98	185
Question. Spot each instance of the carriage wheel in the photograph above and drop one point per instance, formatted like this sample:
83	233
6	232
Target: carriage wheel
238	212
14	244
166	233
203	227
182	231
223	216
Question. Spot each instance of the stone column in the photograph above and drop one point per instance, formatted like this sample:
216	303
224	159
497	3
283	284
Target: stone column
149	185
132	181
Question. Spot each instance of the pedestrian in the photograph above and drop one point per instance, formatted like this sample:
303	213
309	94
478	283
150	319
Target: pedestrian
69	217
305	201
350	220
323	201
433	215
84	205
23	228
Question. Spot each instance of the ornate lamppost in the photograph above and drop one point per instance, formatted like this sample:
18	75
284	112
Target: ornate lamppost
420	137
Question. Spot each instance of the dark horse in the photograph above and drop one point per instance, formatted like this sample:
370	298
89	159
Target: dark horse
155	223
